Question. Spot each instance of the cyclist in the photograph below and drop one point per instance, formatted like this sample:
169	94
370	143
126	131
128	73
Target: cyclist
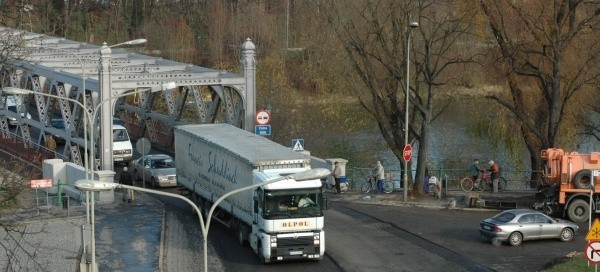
474	170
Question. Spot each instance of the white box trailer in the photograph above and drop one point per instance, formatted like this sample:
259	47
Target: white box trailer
282	220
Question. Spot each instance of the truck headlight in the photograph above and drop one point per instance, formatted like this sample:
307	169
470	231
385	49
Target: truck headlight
273	242
317	238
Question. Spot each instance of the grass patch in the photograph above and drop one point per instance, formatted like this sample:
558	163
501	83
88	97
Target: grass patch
574	262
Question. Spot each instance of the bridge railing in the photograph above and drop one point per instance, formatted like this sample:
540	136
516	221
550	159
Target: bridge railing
14	147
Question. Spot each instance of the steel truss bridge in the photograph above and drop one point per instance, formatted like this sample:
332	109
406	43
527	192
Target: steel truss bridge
59	71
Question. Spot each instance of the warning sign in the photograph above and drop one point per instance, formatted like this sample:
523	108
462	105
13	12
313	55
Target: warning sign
594	233
298	144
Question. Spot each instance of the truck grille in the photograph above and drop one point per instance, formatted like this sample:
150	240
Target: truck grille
291	241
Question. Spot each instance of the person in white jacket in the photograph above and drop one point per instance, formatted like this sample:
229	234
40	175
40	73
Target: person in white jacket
337	173
380	176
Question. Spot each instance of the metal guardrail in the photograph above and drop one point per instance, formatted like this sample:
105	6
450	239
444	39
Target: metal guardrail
516	179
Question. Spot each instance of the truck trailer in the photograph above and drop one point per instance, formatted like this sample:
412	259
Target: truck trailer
569	178
282	220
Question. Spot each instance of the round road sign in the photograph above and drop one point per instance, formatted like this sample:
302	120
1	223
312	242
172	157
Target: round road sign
407	154
263	117
143	146
592	252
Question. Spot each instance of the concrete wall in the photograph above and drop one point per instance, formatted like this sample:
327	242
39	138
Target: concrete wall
65	174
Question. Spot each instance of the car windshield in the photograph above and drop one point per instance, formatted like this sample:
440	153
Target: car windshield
293	204
162	163
504	217
120	135
12	108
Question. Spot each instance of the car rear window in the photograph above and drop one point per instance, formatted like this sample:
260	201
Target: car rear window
504	217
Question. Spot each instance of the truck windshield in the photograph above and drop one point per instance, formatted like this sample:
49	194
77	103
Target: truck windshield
293	203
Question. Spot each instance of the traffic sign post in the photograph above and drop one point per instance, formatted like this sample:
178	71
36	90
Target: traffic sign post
407	154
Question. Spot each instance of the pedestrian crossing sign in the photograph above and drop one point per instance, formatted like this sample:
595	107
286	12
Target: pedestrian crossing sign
298	144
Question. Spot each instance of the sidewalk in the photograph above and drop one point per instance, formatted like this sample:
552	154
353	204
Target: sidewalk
453	200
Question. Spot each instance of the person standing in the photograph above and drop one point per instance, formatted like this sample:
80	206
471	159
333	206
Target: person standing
380	176
474	170
495	172
126	179
337	173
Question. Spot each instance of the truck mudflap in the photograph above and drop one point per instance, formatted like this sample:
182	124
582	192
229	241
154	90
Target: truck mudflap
297	246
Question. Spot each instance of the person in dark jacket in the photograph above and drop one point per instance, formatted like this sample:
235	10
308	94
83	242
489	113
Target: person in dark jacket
126	179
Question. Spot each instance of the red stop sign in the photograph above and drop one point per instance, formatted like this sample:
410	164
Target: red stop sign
407	154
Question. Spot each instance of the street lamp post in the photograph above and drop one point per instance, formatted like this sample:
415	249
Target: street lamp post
91	185
105	146
405	183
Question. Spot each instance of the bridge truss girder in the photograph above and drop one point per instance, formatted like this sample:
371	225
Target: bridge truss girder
65	69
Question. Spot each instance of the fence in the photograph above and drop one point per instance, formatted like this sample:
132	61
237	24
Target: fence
516	179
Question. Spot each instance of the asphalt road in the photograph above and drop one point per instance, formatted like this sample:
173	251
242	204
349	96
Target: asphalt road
453	235
363	237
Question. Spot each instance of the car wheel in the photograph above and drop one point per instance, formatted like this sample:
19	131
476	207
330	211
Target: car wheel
515	238
153	183
135	175
566	235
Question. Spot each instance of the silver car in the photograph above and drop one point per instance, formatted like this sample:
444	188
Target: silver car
158	169
516	226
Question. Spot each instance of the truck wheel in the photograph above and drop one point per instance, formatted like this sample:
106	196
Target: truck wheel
583	179
578	211
243	234
261	256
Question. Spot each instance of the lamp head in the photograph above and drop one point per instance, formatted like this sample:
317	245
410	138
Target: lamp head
94	185
14	90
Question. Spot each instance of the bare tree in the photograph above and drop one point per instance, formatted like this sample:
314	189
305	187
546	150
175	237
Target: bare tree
375	36
16	202
547	55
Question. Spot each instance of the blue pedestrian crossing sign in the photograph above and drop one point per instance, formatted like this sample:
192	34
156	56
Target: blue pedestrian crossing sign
298	144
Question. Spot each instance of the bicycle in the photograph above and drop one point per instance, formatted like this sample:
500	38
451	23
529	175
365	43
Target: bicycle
486	182
467	184
371	184
483	183
326	186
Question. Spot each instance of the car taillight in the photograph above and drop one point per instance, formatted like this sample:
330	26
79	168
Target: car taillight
496	228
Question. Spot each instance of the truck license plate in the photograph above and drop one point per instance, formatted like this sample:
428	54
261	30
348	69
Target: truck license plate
295	252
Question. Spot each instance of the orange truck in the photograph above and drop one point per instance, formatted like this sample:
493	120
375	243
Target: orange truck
569	178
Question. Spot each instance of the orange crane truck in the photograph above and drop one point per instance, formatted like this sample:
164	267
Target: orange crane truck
568	180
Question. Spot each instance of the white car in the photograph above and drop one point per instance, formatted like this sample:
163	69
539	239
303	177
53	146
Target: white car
11	105
158	169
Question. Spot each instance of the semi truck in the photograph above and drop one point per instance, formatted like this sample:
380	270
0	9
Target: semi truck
280	220
569	179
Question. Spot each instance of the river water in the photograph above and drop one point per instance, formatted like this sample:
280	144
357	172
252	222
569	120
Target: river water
453	146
